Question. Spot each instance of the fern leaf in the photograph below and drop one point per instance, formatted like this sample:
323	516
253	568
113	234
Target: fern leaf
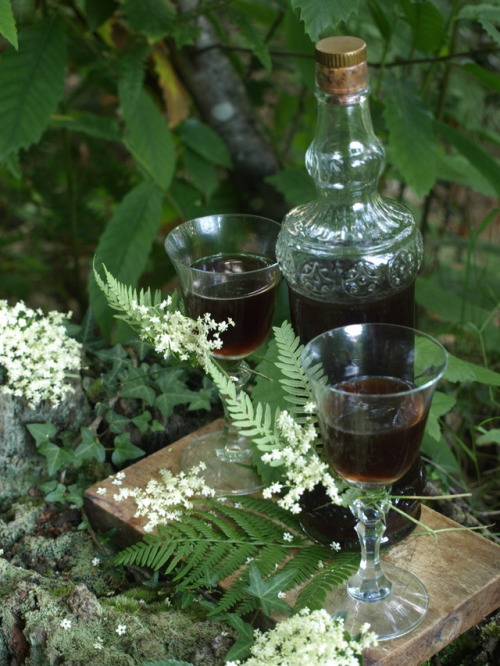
294	381
314	593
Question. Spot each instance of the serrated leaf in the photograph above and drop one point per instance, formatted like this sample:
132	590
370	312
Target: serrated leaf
411	133
487	165
295	184
427	25
90	124
125	245
31	84
320	15
204	141
151	17
486	14
131	65
90	448
201	173
7	23
149	140
459	370
442	403
97	11
125	450
41	432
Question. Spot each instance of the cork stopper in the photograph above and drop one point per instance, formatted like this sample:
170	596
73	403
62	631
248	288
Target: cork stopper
341	67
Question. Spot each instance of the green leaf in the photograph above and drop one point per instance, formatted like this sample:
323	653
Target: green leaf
173	392
151	17
7	23
202	173
57	495
442	403
125	450
427	25
204	141
125	245
57	457
149	140
490	437
42	432
464	371
412	142
477	156
98	11
31	84
295	184
487	14
142	421
135	386
241	648
320	15
381	18
131	65
267	591
488	78
90	448
90	124
117	422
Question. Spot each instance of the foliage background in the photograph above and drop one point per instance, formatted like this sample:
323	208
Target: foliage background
119	119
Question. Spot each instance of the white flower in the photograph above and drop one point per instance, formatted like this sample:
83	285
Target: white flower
287	536
99	644
1	552
96	561
120	475
101	491
66	623
335	545
121	629
36	354
309	638
281	595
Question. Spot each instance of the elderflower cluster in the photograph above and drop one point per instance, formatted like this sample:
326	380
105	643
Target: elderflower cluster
36	354
309	638
303	468
171	332
160	500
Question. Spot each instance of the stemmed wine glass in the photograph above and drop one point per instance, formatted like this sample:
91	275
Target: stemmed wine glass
373	385
226	266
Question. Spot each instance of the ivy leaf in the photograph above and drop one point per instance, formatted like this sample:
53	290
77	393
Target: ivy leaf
57	457
319	15
42	432
173	392
7	23
267	591
117	422
57	495
125	244
135	387
411	133
142	421
31	84
241	648
125	450
90	448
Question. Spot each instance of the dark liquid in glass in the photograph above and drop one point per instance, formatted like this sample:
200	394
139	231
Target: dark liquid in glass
247	296
311	317
374	441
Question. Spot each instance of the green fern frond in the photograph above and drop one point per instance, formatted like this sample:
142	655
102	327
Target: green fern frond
336	572
120	296
294	380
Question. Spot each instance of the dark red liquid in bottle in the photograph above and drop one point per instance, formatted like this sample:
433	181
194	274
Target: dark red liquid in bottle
247	297
311	317
374	440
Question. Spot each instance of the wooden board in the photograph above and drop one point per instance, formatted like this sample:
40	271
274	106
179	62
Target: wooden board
460	569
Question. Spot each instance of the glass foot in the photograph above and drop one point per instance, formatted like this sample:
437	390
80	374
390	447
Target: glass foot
226	477
396	615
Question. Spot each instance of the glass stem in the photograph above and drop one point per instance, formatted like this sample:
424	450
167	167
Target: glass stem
369	582
235	447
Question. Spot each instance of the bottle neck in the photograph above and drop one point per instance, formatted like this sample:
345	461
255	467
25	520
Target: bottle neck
345	158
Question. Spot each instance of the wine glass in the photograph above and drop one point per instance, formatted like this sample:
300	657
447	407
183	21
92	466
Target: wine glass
373	385
226	266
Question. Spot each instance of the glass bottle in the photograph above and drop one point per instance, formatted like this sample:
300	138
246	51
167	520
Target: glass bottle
351	255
